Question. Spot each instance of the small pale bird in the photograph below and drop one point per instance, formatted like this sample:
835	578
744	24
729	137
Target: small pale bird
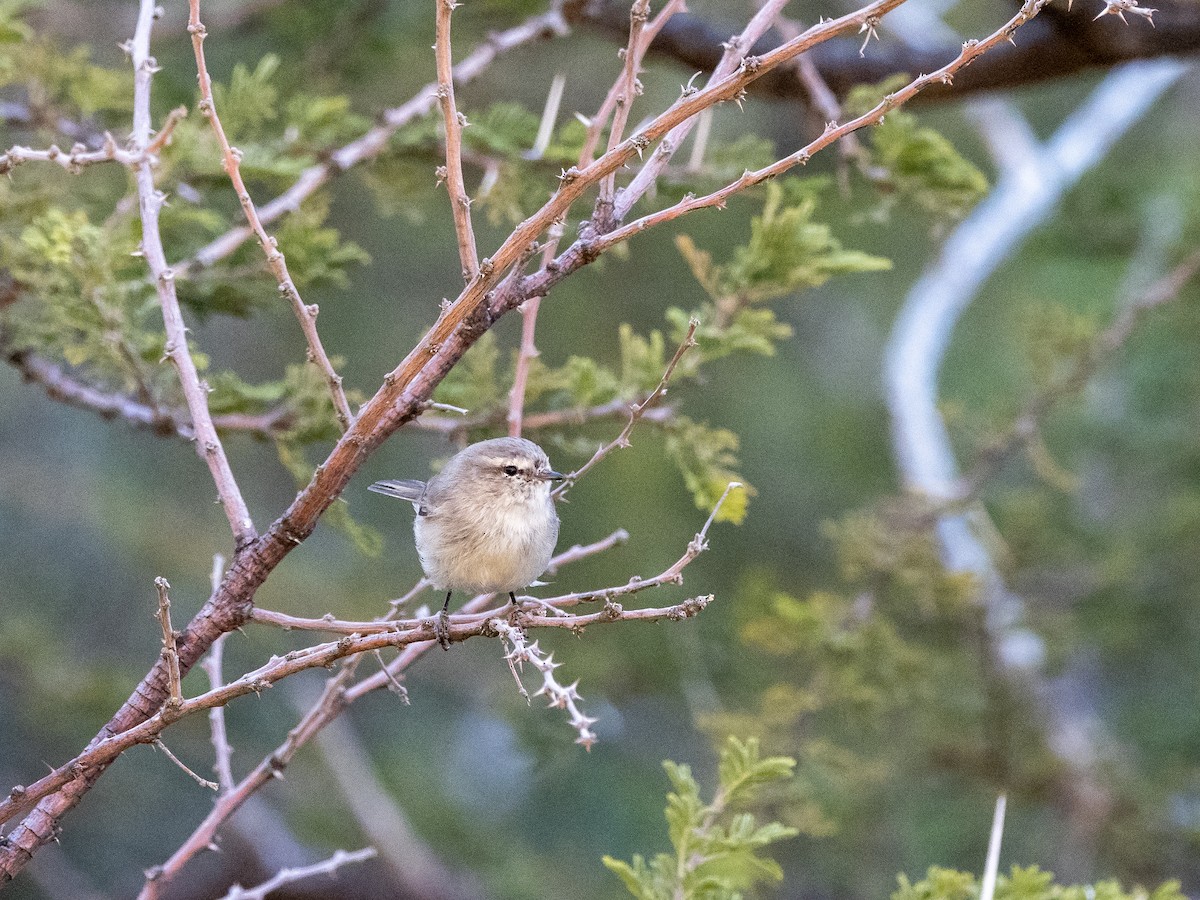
486	522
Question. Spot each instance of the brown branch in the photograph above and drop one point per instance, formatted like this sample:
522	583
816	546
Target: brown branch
375	141
305	315
627	88
460	203
597	122
170	651
736	50
72	391
179	764
104	752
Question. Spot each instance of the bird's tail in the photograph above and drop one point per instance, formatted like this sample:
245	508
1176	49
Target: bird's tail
412	491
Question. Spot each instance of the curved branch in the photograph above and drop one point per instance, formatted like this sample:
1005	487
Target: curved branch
305	315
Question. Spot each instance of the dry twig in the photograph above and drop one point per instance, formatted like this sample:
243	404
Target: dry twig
284	877
454	121
306	315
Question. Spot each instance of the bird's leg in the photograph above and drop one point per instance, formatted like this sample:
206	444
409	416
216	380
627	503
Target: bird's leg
442	626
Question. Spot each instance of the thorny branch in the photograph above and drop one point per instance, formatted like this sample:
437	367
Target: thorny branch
736	57
340	691
306	315
454	121
944	75
150	201
80	157
636	413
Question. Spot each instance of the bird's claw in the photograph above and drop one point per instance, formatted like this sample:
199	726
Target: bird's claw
441	628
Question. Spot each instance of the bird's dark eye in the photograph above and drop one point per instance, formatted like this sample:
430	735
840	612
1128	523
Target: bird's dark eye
510	470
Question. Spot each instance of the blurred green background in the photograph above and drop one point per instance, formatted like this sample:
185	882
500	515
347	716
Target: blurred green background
900	776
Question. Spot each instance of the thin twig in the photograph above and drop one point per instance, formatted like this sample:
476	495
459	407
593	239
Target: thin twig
628	88
596	124
636	413
306	315
150	201
212	665
80	157
74	160
287	876
452	174
527	352
203	782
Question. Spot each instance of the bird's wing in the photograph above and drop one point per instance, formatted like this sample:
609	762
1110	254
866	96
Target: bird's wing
412	491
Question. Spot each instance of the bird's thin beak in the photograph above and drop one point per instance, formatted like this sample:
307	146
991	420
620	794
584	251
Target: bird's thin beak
551	476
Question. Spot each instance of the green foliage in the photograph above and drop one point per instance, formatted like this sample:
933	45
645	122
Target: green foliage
242	284
84	300
567	143
787	252
249	100
915	161
706	456
504	128
316	254
272	147
748	330
892	545
1057	338
1023	884
717	850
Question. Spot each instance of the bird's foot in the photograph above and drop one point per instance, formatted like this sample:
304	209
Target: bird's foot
441	628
